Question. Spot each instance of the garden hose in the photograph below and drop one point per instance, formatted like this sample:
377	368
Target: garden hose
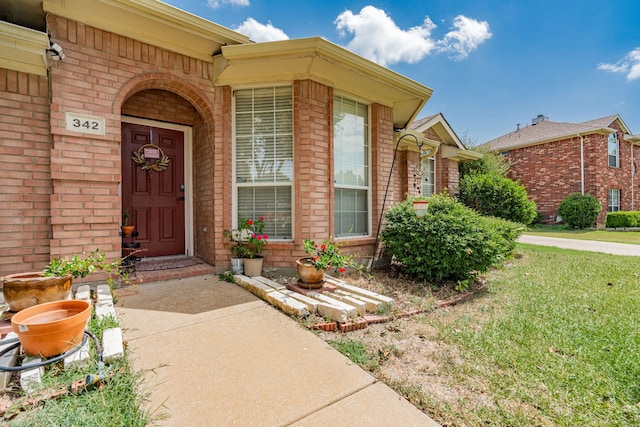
16	343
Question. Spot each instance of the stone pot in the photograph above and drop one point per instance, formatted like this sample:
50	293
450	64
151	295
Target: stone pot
52	328
253	266
310	278
24	290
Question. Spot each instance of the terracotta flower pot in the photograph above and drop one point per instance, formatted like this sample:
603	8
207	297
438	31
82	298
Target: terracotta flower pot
127	230
309	276
25	290
52	328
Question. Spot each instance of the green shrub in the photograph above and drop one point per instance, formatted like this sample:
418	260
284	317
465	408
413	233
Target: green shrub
490	162
623	219
494	195
451	242
580	210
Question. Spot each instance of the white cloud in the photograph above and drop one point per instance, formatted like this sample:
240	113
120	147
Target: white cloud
467	35
629	65
378	38
260	32
215	4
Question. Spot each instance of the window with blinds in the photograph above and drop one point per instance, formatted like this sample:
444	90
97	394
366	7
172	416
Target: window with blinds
263	157
614	146
428	176
351	168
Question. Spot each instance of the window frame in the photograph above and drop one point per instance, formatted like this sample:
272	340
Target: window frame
613	136
369	187
422	178
611	205
257	184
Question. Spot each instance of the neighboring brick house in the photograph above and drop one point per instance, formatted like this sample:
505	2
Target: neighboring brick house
302	132
552	160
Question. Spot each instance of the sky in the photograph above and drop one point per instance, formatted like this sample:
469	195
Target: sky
492	64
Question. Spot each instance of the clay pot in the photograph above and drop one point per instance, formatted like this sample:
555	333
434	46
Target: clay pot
127	230
51	328
24	290
253	266
310	278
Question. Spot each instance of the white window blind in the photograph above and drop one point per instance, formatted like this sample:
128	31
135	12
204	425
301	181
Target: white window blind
351	167
264	157
428	176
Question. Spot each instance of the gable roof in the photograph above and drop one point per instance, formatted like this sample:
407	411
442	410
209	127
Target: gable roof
452	147
547	131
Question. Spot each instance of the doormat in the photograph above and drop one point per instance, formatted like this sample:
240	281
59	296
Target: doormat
167	264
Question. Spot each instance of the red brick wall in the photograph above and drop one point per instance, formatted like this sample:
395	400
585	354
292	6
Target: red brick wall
550	172
25	145
105	75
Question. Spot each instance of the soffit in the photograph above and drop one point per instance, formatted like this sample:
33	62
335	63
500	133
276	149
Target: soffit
151	22
23	49
322	61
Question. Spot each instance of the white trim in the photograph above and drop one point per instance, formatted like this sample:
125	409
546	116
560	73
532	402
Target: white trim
234	184
188	173
369	186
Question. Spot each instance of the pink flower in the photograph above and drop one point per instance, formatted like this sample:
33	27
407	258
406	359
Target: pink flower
265	237
323	247
342	270
250	222
258	237
261	218
315	258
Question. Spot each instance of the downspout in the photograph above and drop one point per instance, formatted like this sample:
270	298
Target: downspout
581	162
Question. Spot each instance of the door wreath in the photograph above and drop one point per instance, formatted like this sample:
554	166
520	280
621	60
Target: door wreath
155	159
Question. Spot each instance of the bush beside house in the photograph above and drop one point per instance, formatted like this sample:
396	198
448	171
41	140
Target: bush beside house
495	195
622	219
450	243
580	210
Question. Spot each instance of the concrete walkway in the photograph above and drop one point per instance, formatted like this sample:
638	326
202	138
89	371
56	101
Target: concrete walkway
583	245
217	356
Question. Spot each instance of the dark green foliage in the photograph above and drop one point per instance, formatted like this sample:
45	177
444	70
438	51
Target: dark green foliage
494	195
623	219
580	210
451	242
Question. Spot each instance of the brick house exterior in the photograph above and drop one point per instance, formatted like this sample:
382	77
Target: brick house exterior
147	64
553	160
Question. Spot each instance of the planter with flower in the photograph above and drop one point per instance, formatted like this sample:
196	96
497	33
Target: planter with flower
247	242
24	290
322	257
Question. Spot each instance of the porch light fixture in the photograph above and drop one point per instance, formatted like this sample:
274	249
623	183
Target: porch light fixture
55	51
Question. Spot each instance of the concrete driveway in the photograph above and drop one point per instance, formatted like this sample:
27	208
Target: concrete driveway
583	245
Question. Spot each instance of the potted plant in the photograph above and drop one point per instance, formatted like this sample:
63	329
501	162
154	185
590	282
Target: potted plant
127	230
237	250
24	290
247	242
322	257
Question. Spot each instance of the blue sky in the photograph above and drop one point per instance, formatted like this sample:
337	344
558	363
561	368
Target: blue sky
491	63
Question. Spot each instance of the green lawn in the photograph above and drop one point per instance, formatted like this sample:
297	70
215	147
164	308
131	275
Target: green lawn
555	340
632	237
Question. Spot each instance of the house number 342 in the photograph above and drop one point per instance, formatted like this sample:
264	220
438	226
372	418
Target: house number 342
85	124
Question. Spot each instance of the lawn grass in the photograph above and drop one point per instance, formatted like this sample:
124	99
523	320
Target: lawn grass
632	237
118	401
559	345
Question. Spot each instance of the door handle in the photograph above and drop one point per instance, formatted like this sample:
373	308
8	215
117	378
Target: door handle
180	198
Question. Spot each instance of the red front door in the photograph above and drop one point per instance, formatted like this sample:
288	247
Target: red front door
154	196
